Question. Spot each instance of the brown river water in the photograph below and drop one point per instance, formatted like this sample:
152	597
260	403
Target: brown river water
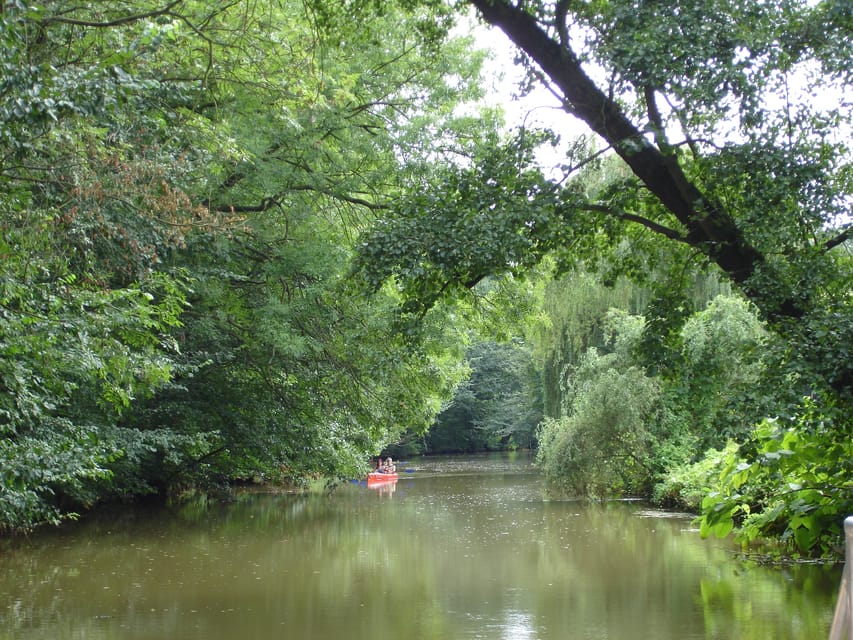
458	548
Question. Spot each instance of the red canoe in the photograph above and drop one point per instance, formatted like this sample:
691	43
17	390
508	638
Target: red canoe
380	478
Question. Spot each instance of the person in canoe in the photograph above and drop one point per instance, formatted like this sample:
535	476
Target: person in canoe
385	466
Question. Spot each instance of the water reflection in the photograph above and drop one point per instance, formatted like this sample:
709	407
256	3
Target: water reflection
460	548
386	489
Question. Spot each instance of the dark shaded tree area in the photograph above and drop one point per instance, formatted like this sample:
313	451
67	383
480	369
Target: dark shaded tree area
496	408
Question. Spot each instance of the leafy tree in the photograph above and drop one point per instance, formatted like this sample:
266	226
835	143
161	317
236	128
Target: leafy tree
576	307
745	154
80	341
180	184
723	370
73	357
495	408
602	446
275	333
719	93
732	161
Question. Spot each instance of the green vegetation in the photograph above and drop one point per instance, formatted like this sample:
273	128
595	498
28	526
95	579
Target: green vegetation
264	240
731	167
181	184
496	408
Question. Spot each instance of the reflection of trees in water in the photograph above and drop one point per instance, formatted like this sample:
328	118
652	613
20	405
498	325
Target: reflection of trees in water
755	603
451	554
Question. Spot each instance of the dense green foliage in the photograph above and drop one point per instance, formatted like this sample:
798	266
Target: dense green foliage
497	407
694	435
187	189
735	145
180	186
812	464
619	427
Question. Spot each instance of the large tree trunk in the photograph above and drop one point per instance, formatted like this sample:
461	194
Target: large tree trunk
709	227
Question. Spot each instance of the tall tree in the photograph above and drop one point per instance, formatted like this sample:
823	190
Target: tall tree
710	107
733	122
180	184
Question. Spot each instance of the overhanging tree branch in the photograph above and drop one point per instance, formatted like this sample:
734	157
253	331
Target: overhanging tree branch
665	231
708	225
373	206
274	201
166	10
841	238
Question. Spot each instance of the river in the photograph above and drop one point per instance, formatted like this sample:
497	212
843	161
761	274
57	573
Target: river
458	548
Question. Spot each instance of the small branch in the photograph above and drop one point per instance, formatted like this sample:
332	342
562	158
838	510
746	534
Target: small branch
580	165
265	205
655	118
373	206
560	12
192	462
274	201
118	21
689	140
841	238
672	234
545	82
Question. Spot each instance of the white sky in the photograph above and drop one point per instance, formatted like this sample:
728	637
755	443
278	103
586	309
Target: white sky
539	108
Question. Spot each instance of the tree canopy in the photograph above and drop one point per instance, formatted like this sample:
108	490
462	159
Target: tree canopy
729	154
732	124
181	183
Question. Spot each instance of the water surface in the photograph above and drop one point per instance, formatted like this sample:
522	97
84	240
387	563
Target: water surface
458	548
